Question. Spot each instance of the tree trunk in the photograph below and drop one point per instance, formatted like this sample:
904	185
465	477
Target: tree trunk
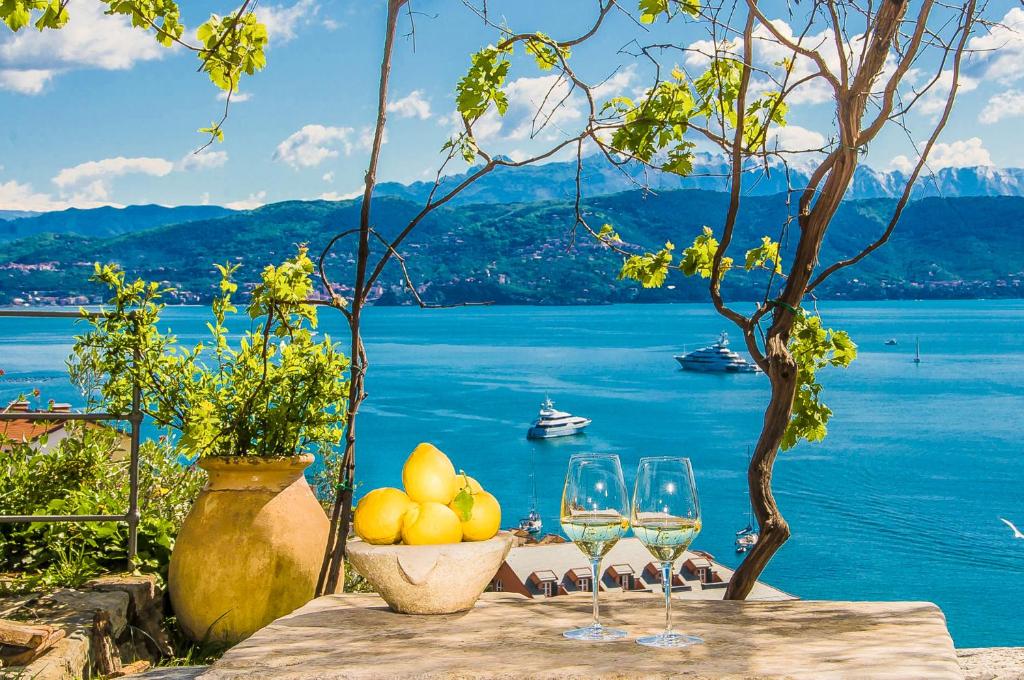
774	531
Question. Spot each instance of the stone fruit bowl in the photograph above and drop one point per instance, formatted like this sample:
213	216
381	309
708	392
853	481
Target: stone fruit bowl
430	579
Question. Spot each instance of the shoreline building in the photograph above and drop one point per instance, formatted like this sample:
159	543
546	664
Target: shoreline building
551	569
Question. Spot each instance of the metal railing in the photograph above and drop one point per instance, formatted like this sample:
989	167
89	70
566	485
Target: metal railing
134	417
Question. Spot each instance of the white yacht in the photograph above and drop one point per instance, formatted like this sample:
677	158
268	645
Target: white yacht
717	358
552	423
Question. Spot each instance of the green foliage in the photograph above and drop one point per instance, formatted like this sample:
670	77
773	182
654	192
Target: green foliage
277	393
765	256
481	86
657	123
545	51
700	257
232	46
649	269
86	473
162	16
813	347
650	10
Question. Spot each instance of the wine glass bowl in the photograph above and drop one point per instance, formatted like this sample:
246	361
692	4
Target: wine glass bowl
665	515
594	516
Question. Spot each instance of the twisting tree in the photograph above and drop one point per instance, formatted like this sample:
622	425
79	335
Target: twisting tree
875	61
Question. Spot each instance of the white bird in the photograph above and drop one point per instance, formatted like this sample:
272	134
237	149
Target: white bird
1016	531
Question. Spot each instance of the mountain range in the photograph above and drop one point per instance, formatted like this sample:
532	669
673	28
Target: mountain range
557	181
526	253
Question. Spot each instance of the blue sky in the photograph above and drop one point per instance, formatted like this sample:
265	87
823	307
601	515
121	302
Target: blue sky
97	113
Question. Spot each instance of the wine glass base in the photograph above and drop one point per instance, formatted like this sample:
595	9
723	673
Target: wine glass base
595	634
669	640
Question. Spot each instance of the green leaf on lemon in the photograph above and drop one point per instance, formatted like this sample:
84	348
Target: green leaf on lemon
463	503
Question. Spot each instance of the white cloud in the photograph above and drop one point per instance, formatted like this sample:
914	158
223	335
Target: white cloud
328	177
413	105
331	24
934	100
236	98
999	52
25	81
283	21
254	200
89	183
91	39
335	196
537	108
313	144
1009	104
793	138
111	167
19	196
204	160
959	154
204	198
615	85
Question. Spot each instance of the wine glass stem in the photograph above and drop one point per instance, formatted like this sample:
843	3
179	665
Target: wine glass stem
666	587
595	586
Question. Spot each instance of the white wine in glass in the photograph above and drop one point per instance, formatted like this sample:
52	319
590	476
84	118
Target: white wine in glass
594	517
666	519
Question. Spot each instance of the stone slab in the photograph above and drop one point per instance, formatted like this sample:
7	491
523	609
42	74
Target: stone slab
508	636
174	673
992	663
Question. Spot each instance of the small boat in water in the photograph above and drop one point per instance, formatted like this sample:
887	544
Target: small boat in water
552	423
746	538
531	523
717	358
891	342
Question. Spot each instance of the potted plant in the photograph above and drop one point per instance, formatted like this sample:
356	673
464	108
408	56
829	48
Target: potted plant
251	412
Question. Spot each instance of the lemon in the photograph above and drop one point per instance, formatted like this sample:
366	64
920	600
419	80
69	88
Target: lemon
428	475
484	518
463	481
430	523
378	517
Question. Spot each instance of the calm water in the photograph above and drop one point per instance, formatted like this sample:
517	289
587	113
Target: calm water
900	502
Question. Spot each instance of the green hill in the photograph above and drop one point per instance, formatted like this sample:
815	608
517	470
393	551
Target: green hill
525	253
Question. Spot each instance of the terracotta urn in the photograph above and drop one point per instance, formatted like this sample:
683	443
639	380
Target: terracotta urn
430	579
250	549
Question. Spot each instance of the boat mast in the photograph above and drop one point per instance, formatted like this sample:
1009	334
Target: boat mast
917	351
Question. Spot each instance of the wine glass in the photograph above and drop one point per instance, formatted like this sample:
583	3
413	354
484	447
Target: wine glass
594	517
666	519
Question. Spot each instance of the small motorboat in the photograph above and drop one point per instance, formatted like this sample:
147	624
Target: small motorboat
891	341
552	423
532	523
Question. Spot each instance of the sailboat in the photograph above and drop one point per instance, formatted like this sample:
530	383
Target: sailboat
532	523
746	537
917	352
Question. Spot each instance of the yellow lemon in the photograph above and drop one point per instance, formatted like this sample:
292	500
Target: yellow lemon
463	481
430	523
484	518
378	517
428	475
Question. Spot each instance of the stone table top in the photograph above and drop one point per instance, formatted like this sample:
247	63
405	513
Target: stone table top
508	636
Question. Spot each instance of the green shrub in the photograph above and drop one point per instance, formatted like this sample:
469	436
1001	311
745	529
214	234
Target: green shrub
78	476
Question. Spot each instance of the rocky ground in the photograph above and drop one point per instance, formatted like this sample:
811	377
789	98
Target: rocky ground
992	663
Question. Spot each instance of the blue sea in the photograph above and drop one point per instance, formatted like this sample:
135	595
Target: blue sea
901	501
